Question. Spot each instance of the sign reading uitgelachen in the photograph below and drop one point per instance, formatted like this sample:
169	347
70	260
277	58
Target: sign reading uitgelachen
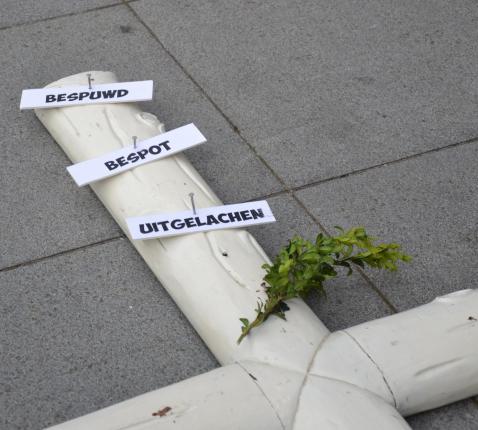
203	219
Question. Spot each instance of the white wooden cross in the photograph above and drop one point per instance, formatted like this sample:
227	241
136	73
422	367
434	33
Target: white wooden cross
285	375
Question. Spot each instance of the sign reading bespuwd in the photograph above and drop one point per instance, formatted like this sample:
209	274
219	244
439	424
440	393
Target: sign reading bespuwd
212	218
117	92
126	158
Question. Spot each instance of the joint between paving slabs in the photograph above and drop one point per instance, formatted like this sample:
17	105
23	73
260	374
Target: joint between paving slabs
473	140
286	189
215	105
58	254
65	15
206	95
361	272
291	191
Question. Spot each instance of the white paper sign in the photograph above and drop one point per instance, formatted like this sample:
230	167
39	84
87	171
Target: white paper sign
118	92
126	158
213	218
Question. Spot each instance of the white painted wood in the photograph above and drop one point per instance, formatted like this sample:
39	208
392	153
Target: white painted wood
416	360
282	387
212	290
341	358
225	398
292	372
327	404
428	355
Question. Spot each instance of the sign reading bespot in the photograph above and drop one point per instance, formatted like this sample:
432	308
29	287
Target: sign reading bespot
213	218
118	92
148	150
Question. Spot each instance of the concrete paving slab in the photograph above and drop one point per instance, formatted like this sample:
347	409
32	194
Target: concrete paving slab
42	211
349	300
85	330
428	204
20	12
462	415
321	88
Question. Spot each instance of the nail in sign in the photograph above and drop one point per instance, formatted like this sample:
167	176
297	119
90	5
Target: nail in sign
113	163
205	219
117	92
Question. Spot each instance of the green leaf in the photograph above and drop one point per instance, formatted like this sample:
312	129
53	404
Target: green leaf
244	321
303	266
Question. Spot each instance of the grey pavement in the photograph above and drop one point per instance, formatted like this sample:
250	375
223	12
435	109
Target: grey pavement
56	215
15	13
348	113
366	82
428	203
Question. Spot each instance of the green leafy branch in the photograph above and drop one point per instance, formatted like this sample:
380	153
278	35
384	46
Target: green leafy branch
303	266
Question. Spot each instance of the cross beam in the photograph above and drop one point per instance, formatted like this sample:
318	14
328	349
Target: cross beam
286	375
